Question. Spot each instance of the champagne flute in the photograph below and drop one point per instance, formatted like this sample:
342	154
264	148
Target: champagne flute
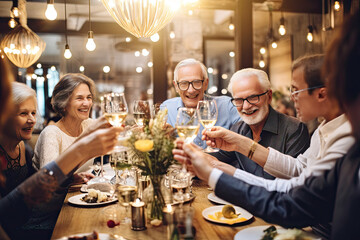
208	113
141	112
187	126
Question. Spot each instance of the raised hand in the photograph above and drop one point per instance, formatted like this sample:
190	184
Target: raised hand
222	138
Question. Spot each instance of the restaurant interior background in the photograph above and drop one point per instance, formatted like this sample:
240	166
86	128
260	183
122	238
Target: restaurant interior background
201	29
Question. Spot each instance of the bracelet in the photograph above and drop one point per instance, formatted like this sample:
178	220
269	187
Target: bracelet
252	150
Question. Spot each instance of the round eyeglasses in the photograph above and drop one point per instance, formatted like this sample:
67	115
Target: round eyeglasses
294	94
253	99
196	84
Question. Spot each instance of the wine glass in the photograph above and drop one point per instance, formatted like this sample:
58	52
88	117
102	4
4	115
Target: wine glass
187	126
208	113
179	183
115	110
141	112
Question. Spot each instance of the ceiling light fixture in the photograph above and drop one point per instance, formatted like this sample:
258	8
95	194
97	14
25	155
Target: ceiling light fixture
271	38
262	50
337	5
21	45
15	8
142	18
67	52
90	45
231	24
12	23
309	35
106	69
81	68
262	62
282	30
50	12
172	32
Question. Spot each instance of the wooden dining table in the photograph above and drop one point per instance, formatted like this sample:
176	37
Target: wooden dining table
75	220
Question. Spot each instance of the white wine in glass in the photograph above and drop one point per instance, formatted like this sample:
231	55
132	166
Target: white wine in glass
141	112
114	108
208	113
116	119
126	195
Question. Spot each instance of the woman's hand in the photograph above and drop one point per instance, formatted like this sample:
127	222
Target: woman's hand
222	138
99	123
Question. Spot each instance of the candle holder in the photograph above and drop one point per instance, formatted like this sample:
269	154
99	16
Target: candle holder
184	222
138	215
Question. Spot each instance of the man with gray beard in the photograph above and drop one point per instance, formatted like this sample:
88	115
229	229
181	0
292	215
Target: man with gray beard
252	95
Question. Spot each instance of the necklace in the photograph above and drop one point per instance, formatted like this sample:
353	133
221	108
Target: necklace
12	163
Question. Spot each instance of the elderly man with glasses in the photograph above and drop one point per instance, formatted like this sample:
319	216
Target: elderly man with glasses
191	81
252	95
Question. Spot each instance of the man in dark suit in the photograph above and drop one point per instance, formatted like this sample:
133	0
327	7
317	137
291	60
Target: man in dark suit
252	95
333	196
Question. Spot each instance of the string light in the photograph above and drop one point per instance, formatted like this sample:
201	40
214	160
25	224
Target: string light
15	9
155	37
12	23
172	32
262	50
50	12
262	62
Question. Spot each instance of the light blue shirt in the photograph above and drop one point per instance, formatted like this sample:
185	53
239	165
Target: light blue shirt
227	114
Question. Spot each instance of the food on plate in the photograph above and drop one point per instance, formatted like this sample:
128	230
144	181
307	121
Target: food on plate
228	211
95	196
93	236
270	233
289	234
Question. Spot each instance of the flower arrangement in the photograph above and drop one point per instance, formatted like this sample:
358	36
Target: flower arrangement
151	148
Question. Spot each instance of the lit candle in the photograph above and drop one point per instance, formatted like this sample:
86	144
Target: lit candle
138	215
168	215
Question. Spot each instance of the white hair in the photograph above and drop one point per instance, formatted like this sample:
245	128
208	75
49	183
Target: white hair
248	72
21	92
187	62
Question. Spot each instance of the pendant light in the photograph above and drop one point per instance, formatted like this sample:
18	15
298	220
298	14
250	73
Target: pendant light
90	45
67	52
282	30
50	12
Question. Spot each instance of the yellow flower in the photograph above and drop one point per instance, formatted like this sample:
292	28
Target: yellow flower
144	145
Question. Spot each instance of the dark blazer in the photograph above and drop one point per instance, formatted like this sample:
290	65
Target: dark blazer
283	133
333	196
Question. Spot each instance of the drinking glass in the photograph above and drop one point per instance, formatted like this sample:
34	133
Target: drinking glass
115	110
187	126
208	113
179	184
127	192
141	112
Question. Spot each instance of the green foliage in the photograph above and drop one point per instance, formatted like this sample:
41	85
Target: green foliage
158	160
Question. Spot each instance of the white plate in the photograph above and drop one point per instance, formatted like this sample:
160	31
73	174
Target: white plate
102	236
209	214
256	233
213	198
76	200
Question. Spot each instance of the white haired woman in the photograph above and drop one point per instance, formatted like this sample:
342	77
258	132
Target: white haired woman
19	127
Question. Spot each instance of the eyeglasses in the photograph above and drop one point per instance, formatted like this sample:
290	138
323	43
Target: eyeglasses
253	99
196	84
294	94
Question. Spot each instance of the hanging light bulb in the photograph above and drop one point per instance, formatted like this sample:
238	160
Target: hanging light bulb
337	6
106	69
310	36
262	50
282	30
12	23
82	68
14	12
172	32
90	45
231	25
155	37
274	44
262	62
50	12
67	53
